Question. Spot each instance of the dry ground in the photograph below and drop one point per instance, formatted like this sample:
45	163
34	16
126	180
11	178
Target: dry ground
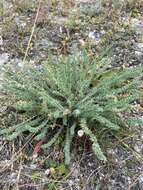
28	30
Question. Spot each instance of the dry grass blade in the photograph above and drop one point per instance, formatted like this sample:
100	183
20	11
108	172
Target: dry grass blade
32	32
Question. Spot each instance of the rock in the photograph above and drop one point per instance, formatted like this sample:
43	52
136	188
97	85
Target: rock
13	177
138	148
141	182
76	173
60	20
1	41
139	50
139	47
20	64
19	22
3	109
94	37
4	57
33	166
43	44
70	183
138	54
17	63
137	26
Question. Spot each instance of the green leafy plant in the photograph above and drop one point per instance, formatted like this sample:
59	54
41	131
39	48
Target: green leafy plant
73	21
79	92
35	175
91	9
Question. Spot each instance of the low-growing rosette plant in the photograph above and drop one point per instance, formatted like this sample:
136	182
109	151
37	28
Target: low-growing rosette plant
78	93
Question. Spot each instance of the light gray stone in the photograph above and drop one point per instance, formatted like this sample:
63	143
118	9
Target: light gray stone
139	46
4	57
137	26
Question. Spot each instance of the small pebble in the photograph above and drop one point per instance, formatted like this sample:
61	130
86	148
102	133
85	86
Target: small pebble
47	172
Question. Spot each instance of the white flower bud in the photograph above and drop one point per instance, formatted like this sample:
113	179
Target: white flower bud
47	172
77	112
35	155
66	112
80	133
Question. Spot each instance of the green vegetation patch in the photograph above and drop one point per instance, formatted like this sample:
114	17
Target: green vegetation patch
76	96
